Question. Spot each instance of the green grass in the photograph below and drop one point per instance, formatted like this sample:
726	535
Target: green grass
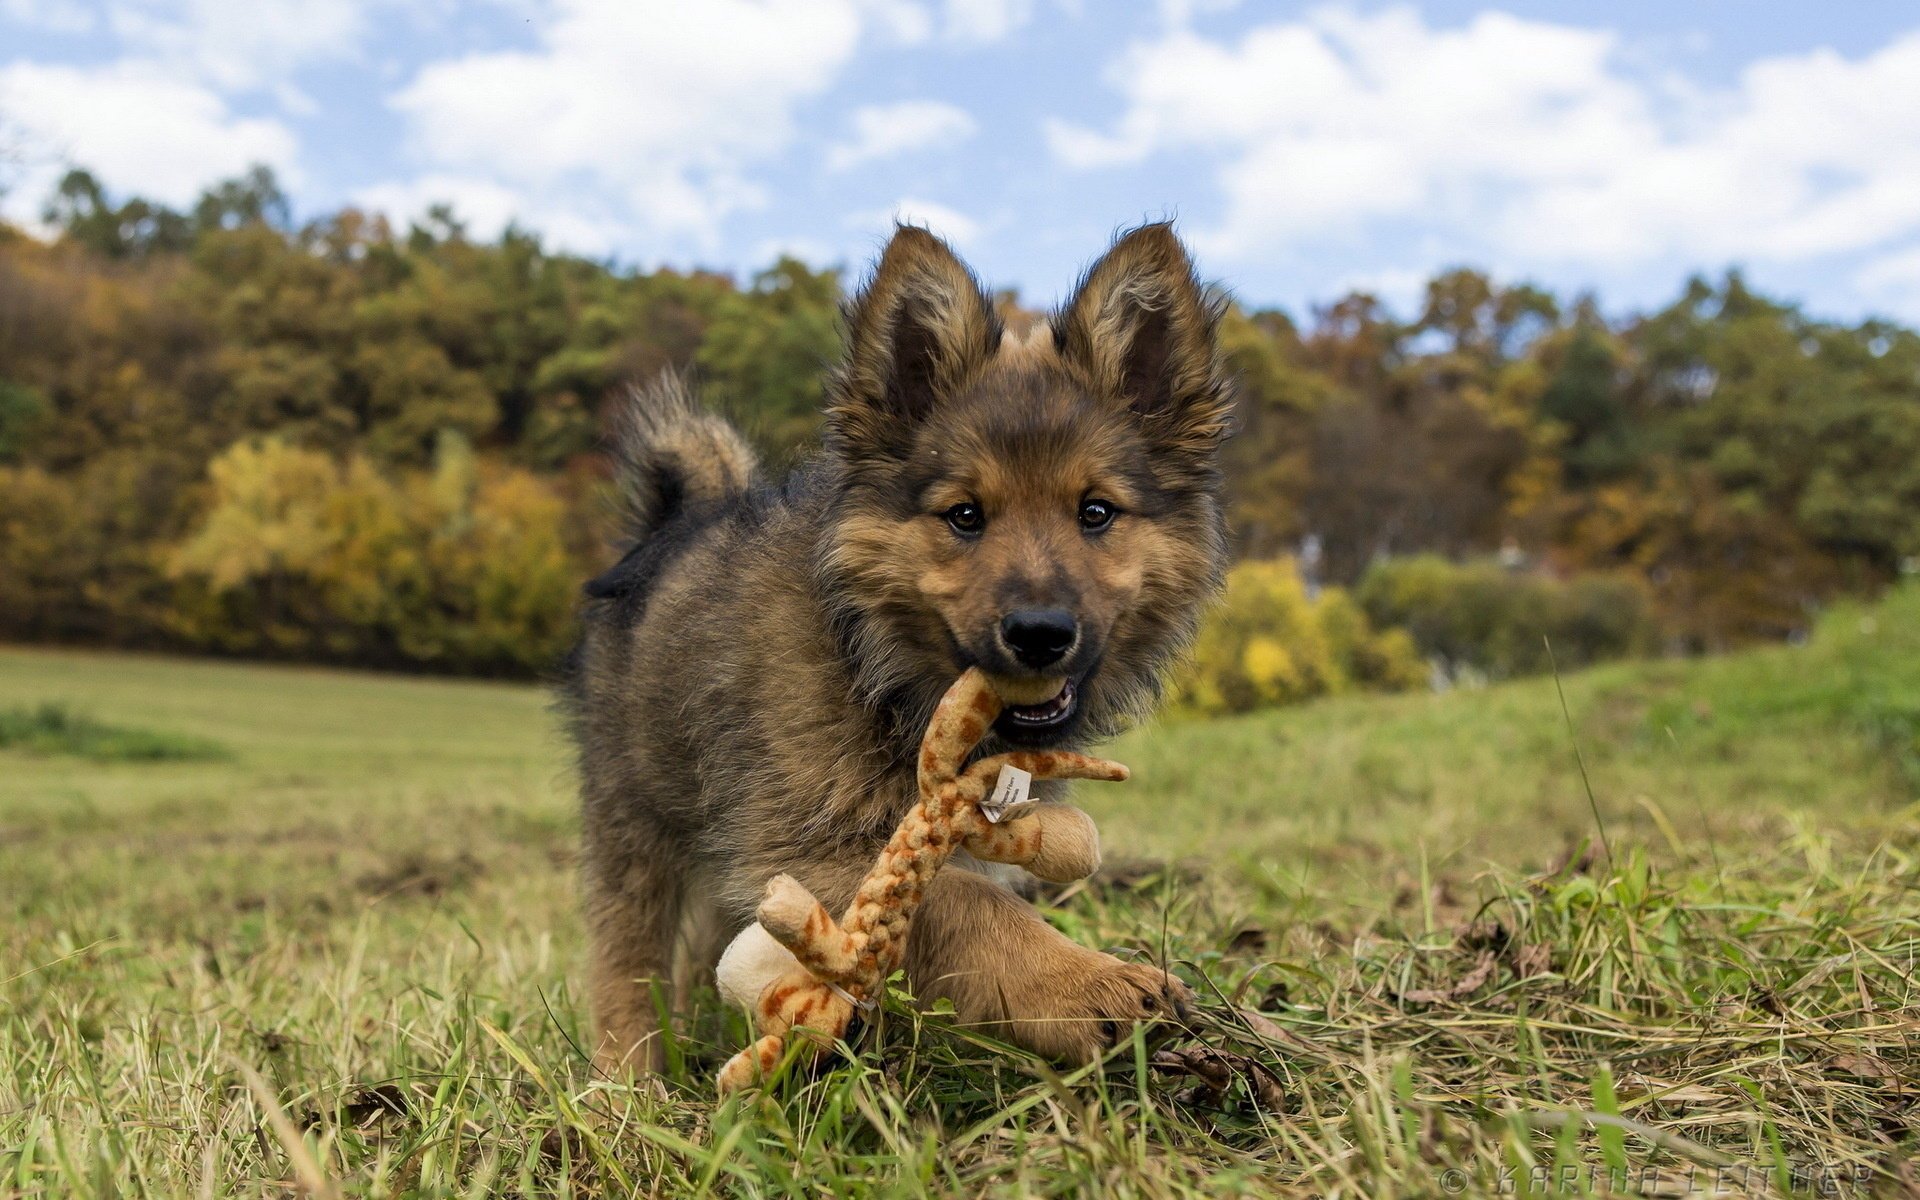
344	957
56	729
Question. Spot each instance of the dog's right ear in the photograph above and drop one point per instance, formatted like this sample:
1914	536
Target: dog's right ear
917	332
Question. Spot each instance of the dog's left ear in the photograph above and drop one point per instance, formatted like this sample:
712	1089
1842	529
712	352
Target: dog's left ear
1142	327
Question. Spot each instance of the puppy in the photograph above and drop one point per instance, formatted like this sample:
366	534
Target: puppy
754	675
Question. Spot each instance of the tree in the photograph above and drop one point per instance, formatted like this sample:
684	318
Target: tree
1746	460
81	210
249	199
768	347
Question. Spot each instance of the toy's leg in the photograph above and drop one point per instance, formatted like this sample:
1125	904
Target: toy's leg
1042	764
633	913
797	921
794	1002
751	1065
1057	842
1011	974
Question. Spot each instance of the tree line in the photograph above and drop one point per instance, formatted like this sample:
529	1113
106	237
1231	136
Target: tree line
337	440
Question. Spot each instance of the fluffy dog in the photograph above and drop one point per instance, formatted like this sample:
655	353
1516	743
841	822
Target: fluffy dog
755	674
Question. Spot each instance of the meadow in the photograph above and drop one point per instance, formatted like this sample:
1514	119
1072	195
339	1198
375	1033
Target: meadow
1646	928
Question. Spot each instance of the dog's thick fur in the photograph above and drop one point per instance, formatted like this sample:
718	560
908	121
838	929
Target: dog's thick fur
755	674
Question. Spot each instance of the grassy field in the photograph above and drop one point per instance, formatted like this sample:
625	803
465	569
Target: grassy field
270	930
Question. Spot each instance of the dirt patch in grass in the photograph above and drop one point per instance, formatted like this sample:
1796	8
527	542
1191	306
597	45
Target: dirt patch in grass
421	875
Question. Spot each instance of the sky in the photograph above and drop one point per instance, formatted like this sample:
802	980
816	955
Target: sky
1304	149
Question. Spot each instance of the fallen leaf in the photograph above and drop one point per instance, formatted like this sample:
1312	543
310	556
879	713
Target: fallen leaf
1531	960
370	1104
1248	939
1477	978
1265	1026
1866	1066
558	1141
1484	935
1217	1069
1462	987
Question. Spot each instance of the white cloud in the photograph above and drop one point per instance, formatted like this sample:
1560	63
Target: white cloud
135	127
1182	12
1508	137
486	208
967	22
906	20
241	44
949	223
158	120
647	115
983	21
881	131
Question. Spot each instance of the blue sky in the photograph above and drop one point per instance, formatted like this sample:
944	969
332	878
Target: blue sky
1304	148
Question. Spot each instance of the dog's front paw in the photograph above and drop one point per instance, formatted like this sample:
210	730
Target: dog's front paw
1082	1009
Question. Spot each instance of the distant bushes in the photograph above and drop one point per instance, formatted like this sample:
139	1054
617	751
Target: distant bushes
1270	643
463	566
1484	618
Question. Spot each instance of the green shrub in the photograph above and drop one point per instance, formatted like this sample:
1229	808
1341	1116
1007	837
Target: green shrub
1269	643
56	729
463	567
1485	618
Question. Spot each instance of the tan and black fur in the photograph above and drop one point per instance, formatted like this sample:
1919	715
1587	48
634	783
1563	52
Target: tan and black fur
755	674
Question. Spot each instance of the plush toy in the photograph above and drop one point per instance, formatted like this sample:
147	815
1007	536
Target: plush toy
798	969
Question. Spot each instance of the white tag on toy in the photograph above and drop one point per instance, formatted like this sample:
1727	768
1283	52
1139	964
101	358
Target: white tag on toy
1011	795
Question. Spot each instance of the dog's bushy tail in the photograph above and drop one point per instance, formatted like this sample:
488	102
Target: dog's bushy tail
674	455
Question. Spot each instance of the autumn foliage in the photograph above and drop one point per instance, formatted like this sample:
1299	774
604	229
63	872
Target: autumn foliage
345	442
1271	643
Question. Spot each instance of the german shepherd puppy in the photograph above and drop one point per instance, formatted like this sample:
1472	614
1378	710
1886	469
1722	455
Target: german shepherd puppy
754	676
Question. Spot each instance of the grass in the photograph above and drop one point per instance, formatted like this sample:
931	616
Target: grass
56	729
344	958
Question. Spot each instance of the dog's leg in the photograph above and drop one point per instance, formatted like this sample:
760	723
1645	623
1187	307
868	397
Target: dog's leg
633	917
704	934
1013	975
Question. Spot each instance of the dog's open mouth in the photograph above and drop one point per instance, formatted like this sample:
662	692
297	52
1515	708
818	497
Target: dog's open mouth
1047	714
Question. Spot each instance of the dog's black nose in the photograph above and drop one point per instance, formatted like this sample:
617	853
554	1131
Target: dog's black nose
1039	637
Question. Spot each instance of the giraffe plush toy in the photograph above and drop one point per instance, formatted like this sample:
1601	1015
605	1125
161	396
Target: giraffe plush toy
796	968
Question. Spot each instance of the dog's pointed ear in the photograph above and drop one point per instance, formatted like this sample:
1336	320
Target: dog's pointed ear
1142	327
917	332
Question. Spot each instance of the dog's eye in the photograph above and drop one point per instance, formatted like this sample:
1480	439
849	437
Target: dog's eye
1096	514
966	518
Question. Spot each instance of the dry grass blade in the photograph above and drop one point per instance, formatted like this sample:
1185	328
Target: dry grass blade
306	1168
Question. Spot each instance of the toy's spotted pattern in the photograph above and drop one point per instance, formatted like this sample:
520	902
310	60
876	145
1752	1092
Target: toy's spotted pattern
847	962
